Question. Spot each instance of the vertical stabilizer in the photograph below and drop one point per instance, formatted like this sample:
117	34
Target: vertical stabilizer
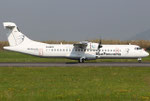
15	37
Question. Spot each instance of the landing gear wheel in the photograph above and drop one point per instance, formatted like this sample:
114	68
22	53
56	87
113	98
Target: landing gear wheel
139	60
81	60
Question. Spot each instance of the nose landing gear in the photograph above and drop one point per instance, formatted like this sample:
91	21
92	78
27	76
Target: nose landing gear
139	60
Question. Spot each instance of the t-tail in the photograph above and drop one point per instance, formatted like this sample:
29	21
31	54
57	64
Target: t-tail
15	37
18	42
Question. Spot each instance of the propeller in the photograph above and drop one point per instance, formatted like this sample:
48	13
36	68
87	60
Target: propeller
99	44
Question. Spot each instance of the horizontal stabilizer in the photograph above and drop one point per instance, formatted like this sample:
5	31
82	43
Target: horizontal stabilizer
9	25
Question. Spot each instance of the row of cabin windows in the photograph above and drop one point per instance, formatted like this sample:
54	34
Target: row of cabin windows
94	50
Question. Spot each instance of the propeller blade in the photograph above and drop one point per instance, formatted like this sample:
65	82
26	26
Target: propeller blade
100	44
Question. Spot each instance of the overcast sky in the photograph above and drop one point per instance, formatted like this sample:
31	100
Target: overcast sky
76	19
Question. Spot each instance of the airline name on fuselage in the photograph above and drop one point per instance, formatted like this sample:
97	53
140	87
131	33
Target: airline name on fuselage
119	54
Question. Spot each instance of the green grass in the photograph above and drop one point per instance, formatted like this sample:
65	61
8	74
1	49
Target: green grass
74	84
7	56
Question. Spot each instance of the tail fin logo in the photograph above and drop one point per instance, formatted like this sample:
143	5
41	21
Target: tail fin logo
21	38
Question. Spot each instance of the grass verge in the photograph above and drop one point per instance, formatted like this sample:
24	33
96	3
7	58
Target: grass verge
74	84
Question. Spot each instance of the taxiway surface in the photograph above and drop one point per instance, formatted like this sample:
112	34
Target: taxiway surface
74	64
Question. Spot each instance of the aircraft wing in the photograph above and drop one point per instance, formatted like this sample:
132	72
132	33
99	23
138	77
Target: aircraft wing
81	45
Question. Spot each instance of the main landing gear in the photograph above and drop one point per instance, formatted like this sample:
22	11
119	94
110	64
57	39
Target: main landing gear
139	60
81	60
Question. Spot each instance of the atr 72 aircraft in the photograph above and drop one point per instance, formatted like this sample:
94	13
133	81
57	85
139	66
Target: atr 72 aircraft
81	51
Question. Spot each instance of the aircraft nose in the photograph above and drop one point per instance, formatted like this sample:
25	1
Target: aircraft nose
146	53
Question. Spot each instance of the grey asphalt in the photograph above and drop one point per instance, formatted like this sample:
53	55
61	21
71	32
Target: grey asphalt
73	64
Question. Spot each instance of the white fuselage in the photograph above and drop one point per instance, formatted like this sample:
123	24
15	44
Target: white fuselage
69	51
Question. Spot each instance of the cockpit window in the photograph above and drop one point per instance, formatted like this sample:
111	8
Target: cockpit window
137	48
